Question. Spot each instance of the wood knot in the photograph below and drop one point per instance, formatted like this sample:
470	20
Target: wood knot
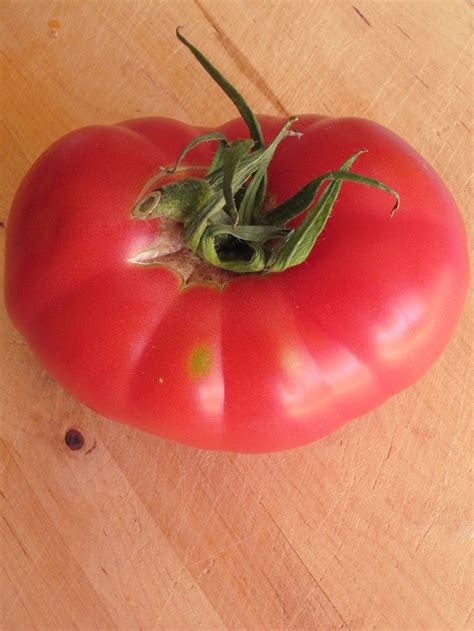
74	439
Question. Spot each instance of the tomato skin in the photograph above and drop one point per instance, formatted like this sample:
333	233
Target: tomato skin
267	363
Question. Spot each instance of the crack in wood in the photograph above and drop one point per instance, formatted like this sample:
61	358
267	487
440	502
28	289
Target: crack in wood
404	32
421	81
15	536
361	15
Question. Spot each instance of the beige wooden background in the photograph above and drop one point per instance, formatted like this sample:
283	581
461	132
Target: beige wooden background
368	529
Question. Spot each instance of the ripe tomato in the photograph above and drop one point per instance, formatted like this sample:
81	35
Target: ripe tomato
266	362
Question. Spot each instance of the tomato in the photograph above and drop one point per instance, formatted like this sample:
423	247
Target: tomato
266	362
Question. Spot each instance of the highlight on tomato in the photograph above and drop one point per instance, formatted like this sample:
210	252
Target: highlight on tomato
249	287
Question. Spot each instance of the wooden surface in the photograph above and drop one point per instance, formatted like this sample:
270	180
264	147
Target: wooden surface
368	529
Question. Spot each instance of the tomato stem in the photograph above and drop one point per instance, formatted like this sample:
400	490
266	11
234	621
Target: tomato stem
178	200
221	212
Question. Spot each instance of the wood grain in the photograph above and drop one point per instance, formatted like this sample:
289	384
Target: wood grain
368	529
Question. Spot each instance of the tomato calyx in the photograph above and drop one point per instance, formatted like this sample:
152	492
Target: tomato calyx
222	214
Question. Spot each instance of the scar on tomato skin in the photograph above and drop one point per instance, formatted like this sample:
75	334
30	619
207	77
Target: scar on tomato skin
200	361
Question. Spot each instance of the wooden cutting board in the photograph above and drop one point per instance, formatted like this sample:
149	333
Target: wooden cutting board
368	529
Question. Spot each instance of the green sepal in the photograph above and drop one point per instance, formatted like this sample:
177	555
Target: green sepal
212	135
194	229
217	160
232	158
245	111
248	206
256	159
296	247
303	199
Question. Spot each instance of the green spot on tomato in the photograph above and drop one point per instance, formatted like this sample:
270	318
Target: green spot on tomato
200	361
